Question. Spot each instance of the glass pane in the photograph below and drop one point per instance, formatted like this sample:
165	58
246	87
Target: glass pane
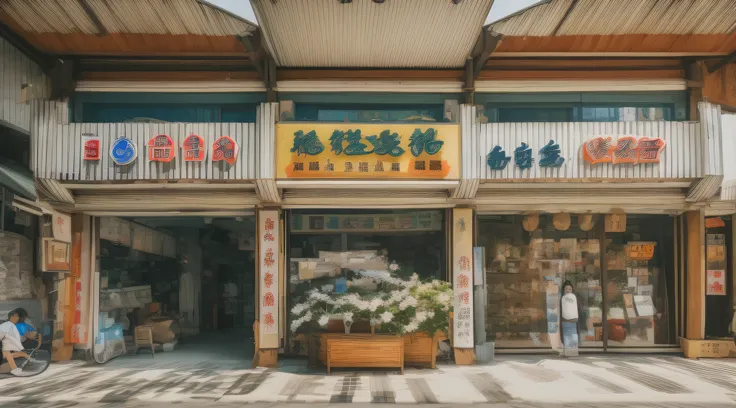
535	114
369	113
719	277
525	271
640	268
624	114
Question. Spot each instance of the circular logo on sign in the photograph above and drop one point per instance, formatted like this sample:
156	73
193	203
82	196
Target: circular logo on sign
123	151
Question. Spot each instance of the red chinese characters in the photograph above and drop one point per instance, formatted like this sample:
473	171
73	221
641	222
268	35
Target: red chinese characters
193	148
463	281
161	149
268	320
268	260
268	279
91	148
626	150
464	263
597	150
269	300
225	149
464	298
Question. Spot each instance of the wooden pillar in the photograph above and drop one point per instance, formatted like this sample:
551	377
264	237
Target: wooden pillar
695	275
462	283
269	307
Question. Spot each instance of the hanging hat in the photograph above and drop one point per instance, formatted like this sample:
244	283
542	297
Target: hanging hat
530	222
561	221
586	222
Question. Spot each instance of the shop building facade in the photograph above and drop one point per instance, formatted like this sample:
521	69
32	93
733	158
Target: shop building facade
529	172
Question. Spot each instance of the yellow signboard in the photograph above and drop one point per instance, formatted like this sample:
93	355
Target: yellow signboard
367	151
640	251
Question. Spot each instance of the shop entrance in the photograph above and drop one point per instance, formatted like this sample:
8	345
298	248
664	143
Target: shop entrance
185	282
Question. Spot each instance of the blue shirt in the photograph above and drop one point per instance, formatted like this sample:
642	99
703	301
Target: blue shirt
24	328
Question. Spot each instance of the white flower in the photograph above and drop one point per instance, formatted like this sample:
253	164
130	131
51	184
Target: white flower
411	327
408	302
443	298
348	317
421	317
386	317
394	267
430	314
375	304
299	308
323	320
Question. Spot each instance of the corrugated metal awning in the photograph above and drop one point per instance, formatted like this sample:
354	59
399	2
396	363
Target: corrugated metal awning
405	33
620	26
17	179
154	27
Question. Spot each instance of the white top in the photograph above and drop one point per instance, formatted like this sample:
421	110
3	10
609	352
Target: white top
569	307
10	337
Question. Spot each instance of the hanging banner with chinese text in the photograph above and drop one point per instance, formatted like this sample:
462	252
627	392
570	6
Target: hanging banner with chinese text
364	151
268	239
715	265
462	271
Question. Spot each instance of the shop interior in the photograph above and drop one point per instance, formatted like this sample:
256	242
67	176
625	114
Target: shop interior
327	248
189	279
528	259
719	309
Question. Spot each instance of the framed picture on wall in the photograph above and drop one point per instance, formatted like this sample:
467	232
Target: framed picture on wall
55	256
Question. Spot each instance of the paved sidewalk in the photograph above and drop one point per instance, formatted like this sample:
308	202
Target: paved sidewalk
630	381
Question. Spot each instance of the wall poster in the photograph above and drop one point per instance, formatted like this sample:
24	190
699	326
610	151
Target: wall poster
268	240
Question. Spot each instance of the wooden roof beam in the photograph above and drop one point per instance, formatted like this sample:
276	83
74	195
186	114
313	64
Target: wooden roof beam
487	43
101	30
262	61
722	63
564	18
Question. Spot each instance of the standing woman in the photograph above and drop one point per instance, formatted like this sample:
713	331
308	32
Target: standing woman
569	316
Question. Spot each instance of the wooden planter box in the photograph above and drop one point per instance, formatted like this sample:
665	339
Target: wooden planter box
420	349
708	348
363	351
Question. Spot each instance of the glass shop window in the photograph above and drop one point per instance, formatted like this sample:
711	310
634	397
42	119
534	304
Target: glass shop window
527	261
626	113
640	284
369	113
549	114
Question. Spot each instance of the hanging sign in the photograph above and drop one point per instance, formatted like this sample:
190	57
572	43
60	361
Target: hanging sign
462	242
61	227
268	237
715	282
615	222
123	151
91	147
640	251
225	149
161	148
193	148
626	150
368	151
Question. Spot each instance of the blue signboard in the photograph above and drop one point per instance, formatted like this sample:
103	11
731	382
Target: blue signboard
123	151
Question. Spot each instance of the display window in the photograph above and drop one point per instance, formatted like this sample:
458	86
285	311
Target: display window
719	309
337	253
626	276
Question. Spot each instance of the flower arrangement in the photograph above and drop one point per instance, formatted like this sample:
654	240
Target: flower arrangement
397	305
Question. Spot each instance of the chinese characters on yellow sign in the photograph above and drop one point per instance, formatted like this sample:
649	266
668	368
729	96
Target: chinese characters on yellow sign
368	151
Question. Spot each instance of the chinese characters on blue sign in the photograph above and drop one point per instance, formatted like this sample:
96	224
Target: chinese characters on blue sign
550	156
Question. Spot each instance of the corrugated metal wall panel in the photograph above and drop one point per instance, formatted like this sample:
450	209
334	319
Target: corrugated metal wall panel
57	149
693	150
16	69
